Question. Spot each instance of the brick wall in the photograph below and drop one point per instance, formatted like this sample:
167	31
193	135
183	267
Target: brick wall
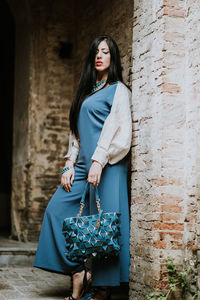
50	93
192	143
165	141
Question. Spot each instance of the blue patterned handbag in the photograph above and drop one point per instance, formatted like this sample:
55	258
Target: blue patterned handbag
94	235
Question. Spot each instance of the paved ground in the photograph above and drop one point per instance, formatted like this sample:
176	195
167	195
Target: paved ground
29	283
32	283
19	280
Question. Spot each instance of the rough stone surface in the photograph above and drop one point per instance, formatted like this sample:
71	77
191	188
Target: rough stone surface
165	153
34	284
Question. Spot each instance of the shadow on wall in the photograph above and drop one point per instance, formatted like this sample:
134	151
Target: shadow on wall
6	120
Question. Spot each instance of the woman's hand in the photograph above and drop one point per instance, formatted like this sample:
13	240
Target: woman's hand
67	178
94	174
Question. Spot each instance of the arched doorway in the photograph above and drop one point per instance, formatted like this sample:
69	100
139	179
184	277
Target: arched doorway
7	33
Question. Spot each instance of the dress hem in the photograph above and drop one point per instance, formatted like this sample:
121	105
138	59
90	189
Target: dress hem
52	269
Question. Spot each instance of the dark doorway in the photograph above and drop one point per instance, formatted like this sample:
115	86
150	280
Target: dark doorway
7	45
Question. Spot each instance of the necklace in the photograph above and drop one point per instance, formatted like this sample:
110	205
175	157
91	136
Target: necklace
96	86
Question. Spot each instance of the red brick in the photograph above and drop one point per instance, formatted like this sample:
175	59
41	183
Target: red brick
161	285
191	218
170	88
136	200
176	245
171	37
163	181
175	235
159	244
170	3
159	181
169	199
171	208
174	12
170	217
145	225
169	226
192	245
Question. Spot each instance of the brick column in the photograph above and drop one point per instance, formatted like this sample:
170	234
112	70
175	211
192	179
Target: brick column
165	159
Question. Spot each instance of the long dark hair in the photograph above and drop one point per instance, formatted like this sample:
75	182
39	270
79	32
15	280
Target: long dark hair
88	76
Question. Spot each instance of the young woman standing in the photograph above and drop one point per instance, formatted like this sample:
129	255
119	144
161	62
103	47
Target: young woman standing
100	139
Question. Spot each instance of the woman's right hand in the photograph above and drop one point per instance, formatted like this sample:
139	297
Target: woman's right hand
67	178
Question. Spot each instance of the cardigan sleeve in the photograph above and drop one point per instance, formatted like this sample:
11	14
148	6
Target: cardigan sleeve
115	139
73	148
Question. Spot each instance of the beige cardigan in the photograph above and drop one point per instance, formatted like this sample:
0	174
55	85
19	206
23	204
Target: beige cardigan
115	139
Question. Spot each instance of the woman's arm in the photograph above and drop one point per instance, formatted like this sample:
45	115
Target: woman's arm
73	148
115	139
67	177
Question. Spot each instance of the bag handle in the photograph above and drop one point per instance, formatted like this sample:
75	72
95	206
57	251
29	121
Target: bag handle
82	203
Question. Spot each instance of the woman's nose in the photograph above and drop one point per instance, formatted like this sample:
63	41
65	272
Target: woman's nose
99	55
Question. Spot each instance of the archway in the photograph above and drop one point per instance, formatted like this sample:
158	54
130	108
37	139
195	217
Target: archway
7	33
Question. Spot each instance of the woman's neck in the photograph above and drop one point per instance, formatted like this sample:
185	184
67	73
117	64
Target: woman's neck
101	76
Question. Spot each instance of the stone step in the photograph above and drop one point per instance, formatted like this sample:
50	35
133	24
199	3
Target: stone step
16	254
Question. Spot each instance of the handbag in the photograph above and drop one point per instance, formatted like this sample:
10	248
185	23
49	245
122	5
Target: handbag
95	235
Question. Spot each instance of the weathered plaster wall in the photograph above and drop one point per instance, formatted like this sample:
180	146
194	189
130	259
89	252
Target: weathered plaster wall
165	163
192	143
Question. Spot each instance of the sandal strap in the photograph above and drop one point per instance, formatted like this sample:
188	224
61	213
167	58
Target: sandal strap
85	281
71	298
78	269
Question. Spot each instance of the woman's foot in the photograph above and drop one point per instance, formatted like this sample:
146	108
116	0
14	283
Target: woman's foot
81	280
102	293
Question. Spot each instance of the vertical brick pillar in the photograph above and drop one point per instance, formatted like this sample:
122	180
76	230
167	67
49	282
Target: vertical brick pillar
165	156
192	141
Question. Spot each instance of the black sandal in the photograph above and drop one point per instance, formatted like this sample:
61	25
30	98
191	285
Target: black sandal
70	297
86	284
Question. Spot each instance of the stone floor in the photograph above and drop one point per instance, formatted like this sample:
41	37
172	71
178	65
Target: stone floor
19	280
31	283
34	284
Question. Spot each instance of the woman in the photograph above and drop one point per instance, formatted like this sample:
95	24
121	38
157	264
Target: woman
100	137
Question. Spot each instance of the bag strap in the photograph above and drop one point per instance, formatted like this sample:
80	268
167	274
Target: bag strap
82	202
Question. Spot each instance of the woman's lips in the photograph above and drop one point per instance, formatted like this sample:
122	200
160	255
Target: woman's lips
99	63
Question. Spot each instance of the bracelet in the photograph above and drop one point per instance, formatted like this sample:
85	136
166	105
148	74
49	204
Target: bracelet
65	169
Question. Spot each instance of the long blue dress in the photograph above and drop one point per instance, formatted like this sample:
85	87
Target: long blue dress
50	253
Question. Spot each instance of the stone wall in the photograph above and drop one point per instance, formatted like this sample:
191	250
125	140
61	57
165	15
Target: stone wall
165	163
44	136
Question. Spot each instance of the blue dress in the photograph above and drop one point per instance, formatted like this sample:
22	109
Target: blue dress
50	253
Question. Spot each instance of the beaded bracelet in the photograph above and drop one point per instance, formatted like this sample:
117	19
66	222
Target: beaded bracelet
65	169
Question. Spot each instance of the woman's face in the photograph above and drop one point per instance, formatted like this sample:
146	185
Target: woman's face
102	58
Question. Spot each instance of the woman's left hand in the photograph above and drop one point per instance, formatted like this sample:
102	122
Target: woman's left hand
94	174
